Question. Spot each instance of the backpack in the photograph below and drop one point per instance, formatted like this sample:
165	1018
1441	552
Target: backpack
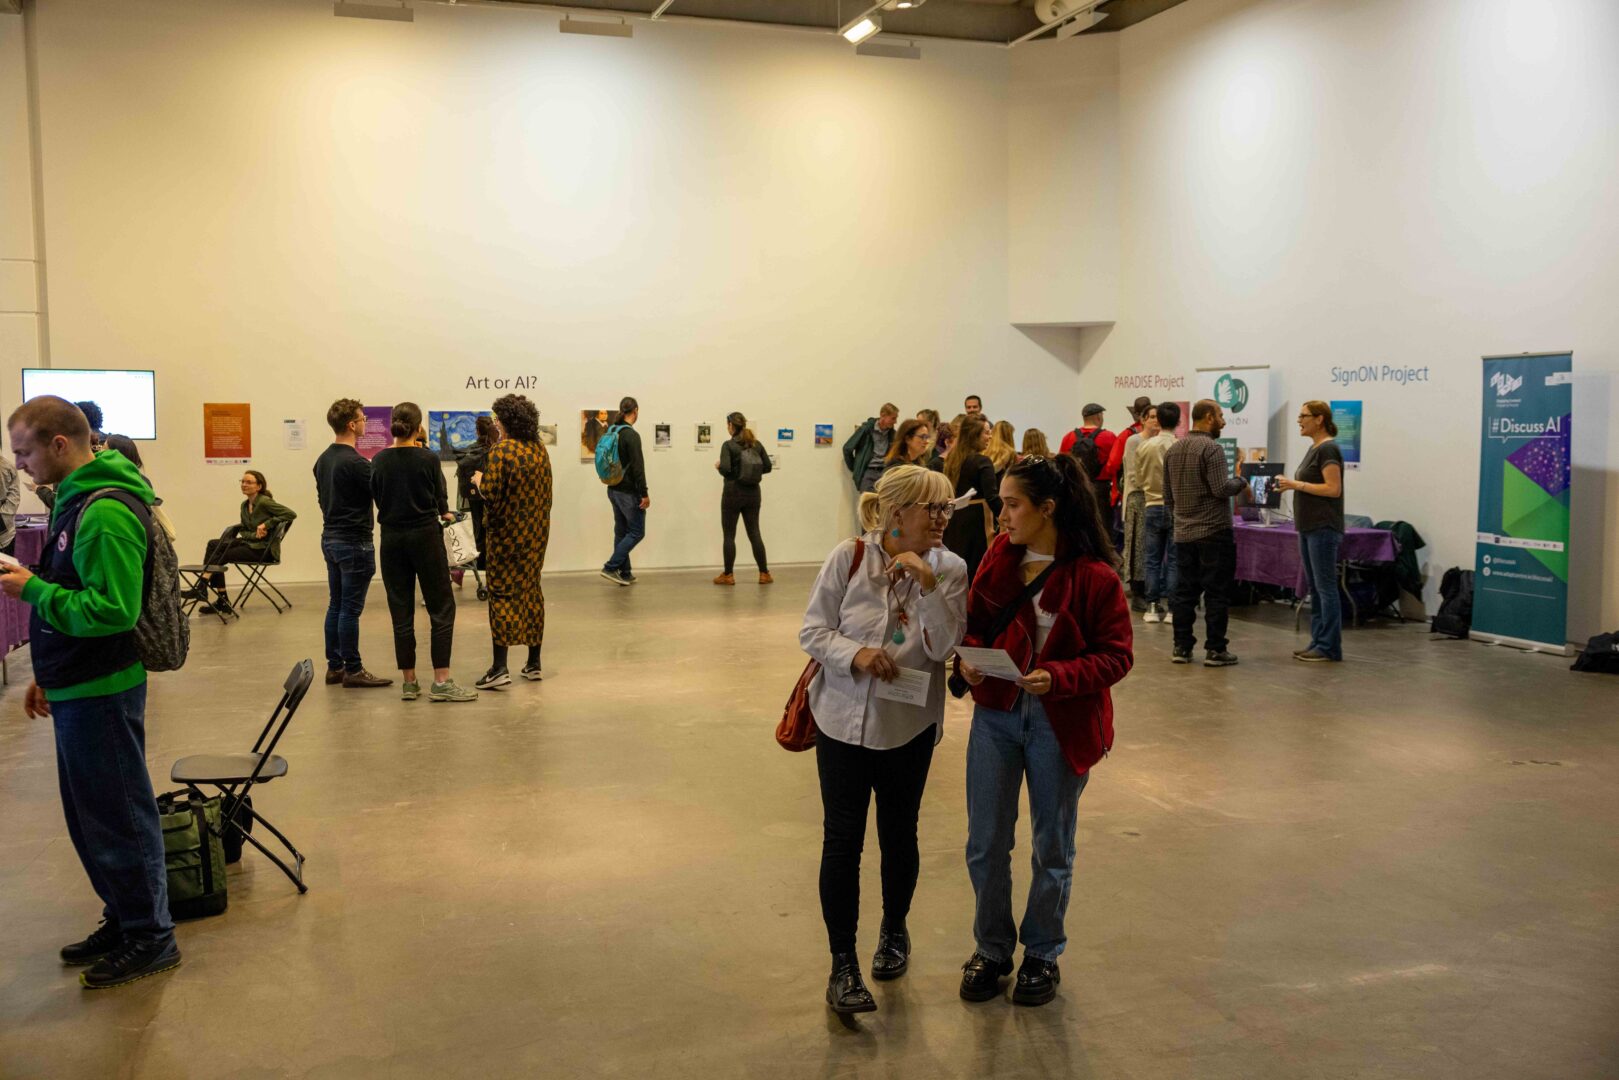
1084	452
609	470
1455	618
1601	654
750	467
162	632
193	854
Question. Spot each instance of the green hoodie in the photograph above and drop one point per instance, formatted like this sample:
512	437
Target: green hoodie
109	555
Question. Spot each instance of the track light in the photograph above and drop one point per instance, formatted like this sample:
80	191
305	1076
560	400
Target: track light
401	13
861	27
570	25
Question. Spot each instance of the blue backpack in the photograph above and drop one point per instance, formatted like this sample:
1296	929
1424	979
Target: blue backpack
609	470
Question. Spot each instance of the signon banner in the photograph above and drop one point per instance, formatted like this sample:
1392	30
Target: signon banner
1520	572
1243	394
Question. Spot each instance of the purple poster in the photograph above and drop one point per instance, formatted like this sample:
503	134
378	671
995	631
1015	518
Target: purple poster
377	435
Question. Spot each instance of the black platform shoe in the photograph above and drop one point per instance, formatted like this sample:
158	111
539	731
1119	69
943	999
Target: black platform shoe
1036	981
893	955
846	991
981	977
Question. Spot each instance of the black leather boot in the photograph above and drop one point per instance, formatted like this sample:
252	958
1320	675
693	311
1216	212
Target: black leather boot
846	991
893	955
981	977
1036	981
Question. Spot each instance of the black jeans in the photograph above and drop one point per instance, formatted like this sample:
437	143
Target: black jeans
228	549
409	556
745	504
1204	567
849	774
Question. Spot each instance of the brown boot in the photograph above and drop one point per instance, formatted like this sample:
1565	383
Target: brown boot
725	579
766	579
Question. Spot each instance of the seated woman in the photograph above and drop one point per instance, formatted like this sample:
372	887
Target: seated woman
256	539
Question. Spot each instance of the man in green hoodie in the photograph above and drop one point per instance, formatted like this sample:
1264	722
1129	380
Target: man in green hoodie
89	680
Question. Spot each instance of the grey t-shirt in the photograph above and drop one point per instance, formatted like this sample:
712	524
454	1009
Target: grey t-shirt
1311	512
880	442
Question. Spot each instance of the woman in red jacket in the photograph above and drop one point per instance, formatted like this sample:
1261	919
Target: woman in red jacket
1048	593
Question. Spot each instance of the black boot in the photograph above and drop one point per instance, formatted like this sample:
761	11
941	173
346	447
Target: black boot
981	977
846	991
893	955
1036	981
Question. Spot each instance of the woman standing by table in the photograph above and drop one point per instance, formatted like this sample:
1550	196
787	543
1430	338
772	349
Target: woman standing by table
1318	512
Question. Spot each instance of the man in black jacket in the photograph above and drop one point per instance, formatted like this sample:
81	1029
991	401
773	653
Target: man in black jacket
629	496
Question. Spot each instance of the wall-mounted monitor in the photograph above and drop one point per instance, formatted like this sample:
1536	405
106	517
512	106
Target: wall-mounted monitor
128	399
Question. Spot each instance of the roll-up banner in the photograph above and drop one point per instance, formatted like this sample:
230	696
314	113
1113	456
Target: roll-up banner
1520	572
1243	394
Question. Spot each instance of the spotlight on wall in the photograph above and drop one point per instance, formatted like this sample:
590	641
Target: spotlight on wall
399	13
570	25
861	27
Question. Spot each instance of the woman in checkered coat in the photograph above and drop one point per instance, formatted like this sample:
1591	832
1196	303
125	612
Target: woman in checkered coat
516	487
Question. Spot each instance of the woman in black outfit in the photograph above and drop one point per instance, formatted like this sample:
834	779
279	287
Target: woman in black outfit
968	468
743	462
408	483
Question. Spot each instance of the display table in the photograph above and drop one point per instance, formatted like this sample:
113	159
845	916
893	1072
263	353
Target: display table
1270	554
14	613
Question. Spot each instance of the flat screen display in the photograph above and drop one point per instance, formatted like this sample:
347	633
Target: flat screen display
128	399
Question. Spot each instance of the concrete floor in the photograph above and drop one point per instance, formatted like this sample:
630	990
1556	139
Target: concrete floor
1404	866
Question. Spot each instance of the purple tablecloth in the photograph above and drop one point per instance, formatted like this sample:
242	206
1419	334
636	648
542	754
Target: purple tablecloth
14	613
1271	555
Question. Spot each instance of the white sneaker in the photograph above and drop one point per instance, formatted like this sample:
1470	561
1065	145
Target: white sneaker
1151	615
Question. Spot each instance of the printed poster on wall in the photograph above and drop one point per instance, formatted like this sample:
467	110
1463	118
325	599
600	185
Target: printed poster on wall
1243	394
784	436
451	431
1520	571
1347	415
377	434
823	436
227	433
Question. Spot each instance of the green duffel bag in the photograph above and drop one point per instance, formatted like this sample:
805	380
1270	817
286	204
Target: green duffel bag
195	855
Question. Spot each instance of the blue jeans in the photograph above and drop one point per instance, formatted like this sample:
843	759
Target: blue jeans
349	570
1319	550
629	526
1003	749
1160	530
110	809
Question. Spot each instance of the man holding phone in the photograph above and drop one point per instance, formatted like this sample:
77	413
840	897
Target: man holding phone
89	680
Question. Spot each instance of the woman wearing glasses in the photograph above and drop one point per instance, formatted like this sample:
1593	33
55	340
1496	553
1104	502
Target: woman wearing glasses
886	611
1318	510
1048	593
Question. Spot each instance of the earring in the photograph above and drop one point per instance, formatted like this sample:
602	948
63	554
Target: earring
894	533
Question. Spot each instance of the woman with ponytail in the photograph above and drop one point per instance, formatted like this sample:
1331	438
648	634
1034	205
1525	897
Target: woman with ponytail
743	463
1318	512
1047	593
892	601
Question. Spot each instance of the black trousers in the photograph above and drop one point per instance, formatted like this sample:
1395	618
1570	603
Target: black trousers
744	504
1204	567
849	775
228	549
408	557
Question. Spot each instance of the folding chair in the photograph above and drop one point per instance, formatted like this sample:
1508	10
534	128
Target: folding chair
192	577
254	572
235	775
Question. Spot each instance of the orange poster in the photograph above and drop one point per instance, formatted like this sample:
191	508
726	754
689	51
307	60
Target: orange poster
227	433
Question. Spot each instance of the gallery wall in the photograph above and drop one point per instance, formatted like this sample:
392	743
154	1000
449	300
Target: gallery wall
1321	186
269	204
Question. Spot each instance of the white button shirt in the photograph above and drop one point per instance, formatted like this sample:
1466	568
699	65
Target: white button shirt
846	616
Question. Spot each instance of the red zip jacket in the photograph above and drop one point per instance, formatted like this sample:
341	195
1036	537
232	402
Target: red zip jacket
1089	650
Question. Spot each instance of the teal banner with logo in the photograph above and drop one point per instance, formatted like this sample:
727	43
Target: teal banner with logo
1520	572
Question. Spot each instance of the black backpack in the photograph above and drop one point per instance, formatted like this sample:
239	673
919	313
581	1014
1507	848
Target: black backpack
1601	654
750	466
1084	452
1455	618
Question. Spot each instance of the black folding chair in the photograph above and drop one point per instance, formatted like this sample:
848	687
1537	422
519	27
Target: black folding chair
235	775
193	578
254	570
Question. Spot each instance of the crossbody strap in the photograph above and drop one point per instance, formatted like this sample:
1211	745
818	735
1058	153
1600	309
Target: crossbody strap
1009	613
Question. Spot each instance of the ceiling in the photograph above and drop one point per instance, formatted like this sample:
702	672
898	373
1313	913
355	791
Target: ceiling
999	21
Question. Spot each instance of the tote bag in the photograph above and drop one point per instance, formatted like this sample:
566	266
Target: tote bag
459	543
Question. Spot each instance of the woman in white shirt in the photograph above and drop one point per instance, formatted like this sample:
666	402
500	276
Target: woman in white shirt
893	619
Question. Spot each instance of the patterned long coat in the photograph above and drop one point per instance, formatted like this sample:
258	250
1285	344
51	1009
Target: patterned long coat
517	528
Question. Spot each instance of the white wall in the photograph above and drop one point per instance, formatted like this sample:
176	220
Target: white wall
1311	184
19	294
268	203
